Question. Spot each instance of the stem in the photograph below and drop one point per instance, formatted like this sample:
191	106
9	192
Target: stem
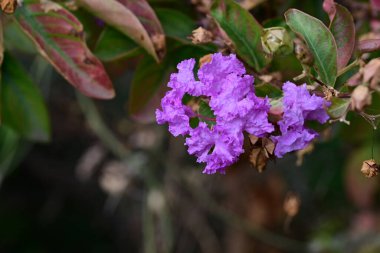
94	120
349	67
205	118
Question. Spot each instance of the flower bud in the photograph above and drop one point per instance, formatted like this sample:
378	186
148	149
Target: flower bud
276	40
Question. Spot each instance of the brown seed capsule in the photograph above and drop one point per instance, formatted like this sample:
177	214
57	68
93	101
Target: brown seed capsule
261	152
201	36
8	6
370	168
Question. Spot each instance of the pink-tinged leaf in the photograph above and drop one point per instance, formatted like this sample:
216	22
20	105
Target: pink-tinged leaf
375	4
123	19
149	20
58	36
329	8
342	26
367	46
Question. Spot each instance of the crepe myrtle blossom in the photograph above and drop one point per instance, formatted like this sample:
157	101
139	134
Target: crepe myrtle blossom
299	106
230	93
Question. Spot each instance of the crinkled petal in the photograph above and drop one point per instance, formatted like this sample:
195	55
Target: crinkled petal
215	71
218	148
299	106
293	140
174	113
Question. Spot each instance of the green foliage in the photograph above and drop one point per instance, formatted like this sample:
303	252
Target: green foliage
176	24
339	108
113	45
320	42
9	140
244	31
23	107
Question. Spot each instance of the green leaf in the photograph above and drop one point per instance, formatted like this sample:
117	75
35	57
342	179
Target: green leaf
206	114
176	24
113	45
147	79
9	143
194	122
244	31
346	73
23	106
320	42
267	89
339	108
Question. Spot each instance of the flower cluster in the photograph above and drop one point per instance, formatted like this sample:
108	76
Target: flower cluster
299	106
230	94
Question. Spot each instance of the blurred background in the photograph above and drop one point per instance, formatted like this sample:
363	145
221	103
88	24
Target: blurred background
112	180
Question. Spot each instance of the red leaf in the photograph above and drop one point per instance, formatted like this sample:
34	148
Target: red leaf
375	4
367	46
58	36
149	20
342	27
329	8
123	19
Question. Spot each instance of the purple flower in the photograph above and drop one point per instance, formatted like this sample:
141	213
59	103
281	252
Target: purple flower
184	80
299	106
294	139
215	72
218	147
231	97
174	113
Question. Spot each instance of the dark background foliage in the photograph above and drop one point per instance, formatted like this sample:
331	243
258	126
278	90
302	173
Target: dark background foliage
111	180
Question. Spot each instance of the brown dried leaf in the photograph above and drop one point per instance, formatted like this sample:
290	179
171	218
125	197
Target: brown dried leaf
253	139
205	59
268	145
258	159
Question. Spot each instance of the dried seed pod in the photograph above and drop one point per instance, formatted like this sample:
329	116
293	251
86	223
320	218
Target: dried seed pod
8	6
258	159
201	36
370	168
262	150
